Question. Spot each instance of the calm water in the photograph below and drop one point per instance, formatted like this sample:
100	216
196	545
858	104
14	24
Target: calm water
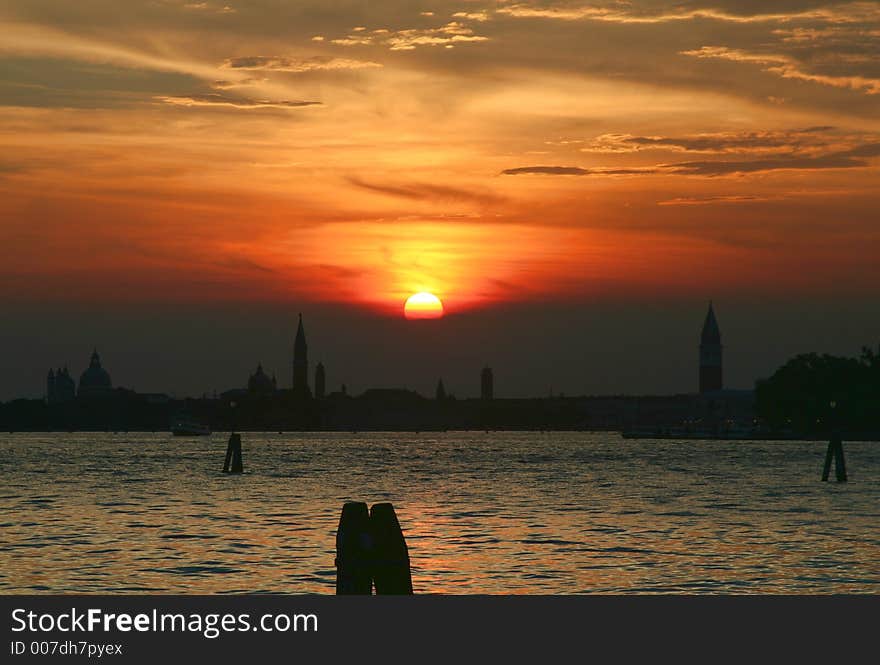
483	513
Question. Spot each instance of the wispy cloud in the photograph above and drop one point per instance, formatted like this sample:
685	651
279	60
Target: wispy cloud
852	12
829	35
857	157
447	35
208	7
479	16
844	159
713	200
282	64
786	67
809	138
428	191
216	99
224	84
578	171
32	39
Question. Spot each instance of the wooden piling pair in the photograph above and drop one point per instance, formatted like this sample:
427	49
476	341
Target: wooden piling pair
835	451
233	463
371	551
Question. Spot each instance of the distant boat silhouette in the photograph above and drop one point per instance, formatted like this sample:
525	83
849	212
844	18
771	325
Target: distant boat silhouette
185	425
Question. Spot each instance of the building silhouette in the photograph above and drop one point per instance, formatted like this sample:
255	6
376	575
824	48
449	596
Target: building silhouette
440	393
711	377
487	384
320	381
94	381
260	384
300	363
60	386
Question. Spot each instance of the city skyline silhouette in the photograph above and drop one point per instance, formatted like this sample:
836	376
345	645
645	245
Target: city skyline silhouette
95	380
572	184
595	348
435	297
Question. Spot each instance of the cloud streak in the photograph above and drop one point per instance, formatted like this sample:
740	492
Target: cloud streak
786	67
208	7
853	12
448	36
857	157
296	65
716	142
37	40
219	100
428	191
577	171
713	200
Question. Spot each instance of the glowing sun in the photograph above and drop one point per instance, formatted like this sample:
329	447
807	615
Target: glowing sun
423	306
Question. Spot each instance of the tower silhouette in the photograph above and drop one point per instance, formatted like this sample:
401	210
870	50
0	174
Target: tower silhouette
50	387
487	384
62	388
711	378
320	381
300	363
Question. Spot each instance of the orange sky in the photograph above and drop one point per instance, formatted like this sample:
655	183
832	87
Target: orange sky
483	151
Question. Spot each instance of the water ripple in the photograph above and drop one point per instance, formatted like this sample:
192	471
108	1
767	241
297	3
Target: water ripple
483	513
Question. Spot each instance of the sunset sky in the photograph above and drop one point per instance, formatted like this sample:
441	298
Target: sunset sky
595	171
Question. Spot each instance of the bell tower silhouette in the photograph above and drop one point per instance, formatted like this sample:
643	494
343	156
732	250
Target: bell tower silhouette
301	363
711	376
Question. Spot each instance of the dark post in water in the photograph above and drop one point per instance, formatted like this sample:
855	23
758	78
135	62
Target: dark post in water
391	572
233	463
353	549
371	551
835	450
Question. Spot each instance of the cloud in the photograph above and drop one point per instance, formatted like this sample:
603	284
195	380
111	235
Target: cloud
20	165
853	12
786	67
216	99
428	191
297	65
716	142
31	39
223	84
209	7
480	16
576	170
711	200
846	159
846	36
857	157
405	40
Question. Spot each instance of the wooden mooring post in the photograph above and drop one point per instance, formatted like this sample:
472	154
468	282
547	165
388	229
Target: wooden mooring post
391	573
233	463
371	551
835	448
354	545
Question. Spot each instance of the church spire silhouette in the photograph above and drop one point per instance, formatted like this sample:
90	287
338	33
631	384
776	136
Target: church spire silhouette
300	363
711	351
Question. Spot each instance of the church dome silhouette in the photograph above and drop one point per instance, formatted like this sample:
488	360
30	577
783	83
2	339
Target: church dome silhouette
95	378
259	382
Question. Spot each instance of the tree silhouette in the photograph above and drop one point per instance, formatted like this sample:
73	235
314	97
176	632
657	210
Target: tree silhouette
799	394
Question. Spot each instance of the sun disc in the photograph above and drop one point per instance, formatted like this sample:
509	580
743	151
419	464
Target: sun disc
423	305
